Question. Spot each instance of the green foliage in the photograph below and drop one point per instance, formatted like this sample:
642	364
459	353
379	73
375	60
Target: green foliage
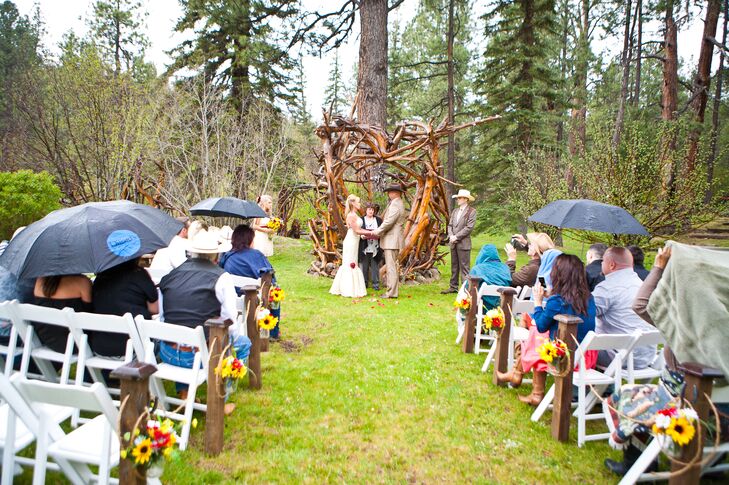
115	27
25	197
334	94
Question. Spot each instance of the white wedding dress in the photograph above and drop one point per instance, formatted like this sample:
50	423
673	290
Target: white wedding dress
350	281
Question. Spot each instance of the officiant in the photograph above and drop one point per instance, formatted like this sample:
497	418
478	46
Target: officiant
370	254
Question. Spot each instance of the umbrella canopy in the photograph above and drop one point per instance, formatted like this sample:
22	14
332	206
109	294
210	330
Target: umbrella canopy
88	238
588	215
227	207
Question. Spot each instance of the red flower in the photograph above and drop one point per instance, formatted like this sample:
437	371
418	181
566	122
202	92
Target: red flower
560	352
353	265
670	412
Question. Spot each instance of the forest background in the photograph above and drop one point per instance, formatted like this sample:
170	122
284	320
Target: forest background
595	102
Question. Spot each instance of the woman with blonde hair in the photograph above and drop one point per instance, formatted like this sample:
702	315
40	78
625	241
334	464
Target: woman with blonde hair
349	280
537	243
262	240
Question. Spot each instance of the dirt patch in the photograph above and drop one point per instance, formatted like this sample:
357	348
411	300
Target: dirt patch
294	345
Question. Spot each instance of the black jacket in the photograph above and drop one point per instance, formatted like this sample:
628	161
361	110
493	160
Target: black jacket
594	274
363	242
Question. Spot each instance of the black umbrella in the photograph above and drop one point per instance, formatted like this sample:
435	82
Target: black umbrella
227	207
588	215
88	238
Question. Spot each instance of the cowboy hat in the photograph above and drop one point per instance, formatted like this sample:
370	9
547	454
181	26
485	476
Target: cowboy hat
393	188
466	194
205	242
225	234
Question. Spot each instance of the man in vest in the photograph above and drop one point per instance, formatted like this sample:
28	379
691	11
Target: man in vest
194	292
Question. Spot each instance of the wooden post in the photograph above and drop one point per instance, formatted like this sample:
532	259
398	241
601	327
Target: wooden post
502	341
254	358
266	282
215	415
134	378
563	385
468	332
699	382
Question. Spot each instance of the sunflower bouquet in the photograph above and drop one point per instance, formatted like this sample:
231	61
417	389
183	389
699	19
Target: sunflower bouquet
275	296
149	445
494	319
463	304
556	354
674	427
274	223
231	367
266	321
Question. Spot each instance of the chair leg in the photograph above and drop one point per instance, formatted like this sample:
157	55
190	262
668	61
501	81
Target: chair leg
489	358
581	415
41	453
8	468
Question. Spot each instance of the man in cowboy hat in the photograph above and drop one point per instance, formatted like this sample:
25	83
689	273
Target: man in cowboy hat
390	233
460	225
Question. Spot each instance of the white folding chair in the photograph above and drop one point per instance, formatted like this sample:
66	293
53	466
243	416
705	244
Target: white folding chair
240	302
151	330
8	353
585	378
481	336
25	316
630	374
94	443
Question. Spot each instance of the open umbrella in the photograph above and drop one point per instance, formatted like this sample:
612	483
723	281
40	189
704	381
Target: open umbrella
588	215
88	238
227	207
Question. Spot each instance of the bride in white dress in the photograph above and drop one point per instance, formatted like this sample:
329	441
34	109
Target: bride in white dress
349	280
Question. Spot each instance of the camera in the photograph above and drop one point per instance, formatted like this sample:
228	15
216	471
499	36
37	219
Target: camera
518	245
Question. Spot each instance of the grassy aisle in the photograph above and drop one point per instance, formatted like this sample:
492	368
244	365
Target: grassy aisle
376	391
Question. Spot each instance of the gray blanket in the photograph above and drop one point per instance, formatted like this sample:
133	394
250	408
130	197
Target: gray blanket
690	305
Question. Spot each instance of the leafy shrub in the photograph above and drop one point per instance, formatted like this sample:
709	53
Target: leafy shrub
25	196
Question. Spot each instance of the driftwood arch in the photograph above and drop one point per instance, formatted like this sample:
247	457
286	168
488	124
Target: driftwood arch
369	158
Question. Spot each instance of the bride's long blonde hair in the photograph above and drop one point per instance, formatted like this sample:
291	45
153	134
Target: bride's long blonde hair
351	200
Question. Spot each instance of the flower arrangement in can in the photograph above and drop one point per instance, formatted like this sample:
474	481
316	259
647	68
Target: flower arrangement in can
275	296
274	223
494	319
158	440
556	354
674	426
231	368
266	321
463	304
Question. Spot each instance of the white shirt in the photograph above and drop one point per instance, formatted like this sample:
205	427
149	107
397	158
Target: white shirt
372	244
172	256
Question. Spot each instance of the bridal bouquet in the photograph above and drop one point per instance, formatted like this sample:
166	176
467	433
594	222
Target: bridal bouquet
677	424
274	223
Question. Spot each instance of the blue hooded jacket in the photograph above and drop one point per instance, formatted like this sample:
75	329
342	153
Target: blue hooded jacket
492	271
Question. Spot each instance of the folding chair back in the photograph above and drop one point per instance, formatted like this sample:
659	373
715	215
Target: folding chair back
481	336
650	338
26	316
243	281
9	352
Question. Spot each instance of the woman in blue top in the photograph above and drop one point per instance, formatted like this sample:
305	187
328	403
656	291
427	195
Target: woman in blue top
569	295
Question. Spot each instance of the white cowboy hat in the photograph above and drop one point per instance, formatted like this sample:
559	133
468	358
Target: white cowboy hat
225	234
205	242
465	194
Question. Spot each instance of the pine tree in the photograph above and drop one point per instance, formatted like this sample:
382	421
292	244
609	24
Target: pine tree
115	27
298	106
334	94
237	44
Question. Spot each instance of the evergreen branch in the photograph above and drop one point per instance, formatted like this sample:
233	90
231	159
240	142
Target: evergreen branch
723	50
419	78
434	63
395	4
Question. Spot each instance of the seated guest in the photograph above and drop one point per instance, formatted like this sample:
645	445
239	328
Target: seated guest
638	258
614	301
175	254
491	271
536	243
194	292
569	295
244	260
67	291
125	288
594	264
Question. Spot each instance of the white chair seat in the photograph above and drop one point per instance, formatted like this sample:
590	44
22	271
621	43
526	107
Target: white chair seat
101	362
595	377
84	443
519	333
646	374
46	353
171	372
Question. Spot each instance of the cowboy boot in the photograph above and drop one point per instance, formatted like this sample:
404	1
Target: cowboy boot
514	376
538	382
630	456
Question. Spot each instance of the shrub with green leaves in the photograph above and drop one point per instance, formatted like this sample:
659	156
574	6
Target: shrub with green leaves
25	197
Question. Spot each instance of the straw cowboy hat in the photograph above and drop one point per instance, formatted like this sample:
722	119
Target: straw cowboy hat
205	242
466	194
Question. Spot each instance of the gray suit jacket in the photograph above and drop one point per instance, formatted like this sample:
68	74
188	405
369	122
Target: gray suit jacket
462	228
390	231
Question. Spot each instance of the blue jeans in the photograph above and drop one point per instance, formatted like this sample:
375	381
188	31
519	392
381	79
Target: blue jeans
275	330
181	358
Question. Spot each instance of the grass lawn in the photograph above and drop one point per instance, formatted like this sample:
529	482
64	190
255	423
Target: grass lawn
377	391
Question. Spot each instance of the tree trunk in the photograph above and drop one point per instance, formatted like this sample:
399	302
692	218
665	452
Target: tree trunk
240	90
639	54
625	61
715	114
451	161
669	100
577	134
702	80
526	100
117	40
372	74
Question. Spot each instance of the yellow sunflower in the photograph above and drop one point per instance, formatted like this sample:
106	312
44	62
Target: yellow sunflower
681	431
268	322
142	452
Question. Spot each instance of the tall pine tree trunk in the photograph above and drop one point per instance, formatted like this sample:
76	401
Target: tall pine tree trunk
702	80
526	74
625	61
715	114
372	74
669	100
577	134
639	54
451	161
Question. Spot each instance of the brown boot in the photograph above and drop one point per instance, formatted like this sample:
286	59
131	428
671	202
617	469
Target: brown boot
514	376
533	399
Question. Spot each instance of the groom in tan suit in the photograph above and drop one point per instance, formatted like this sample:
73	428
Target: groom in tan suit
391	237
